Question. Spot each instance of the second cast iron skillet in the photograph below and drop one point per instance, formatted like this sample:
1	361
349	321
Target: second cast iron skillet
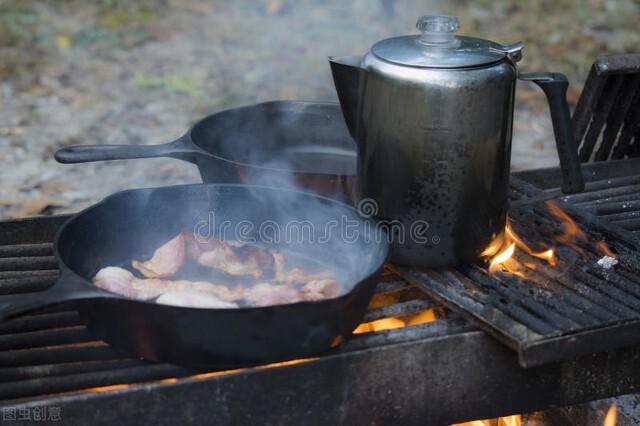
281	143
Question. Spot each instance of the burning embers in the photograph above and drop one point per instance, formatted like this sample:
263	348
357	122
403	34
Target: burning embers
503	253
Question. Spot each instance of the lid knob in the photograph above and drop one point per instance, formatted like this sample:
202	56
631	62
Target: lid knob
438	30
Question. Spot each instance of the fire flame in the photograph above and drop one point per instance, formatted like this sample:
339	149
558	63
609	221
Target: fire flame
396	322
502	249
502	259
573	233
611	418
515	420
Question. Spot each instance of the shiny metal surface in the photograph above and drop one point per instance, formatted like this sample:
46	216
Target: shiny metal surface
466	52
434	146
439	47
432	117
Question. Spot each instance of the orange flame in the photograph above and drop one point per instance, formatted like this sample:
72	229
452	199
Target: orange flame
502	249
547	255
502	257
611	418
395	322
604	249
514	420
573	233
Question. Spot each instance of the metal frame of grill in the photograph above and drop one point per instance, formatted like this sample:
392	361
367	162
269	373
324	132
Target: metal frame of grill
438	372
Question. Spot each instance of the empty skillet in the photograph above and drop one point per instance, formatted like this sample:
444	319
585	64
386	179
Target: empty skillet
283	143
131	224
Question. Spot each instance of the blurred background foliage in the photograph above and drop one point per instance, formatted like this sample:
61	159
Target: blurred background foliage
140	72
565	35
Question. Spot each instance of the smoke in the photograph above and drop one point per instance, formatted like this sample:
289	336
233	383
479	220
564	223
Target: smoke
316	157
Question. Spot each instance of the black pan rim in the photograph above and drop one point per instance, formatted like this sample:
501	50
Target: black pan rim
209	154
67	272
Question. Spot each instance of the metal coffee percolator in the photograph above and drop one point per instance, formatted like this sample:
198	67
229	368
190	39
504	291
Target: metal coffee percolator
432	117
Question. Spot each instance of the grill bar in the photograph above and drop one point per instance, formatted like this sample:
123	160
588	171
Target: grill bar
27	284
389	286
632	224
41	338
400	309
49	385
40	322
619	199
14	374
86	351
7	275
620	193
606	184
27	250
28	263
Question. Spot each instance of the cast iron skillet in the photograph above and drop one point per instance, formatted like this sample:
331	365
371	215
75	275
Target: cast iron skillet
256	144
130	224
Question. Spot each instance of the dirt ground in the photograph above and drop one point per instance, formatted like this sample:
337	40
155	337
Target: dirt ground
142	72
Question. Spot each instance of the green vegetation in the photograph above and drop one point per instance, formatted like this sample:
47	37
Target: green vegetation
171	84
565	35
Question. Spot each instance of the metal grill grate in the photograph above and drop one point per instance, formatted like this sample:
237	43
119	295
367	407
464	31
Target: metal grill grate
556	312
606	120
440	372
615	200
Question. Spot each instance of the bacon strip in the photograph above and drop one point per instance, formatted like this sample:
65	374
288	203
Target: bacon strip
123	282
321	289
279	284
295	275
243	261
266	294
166	260
193	299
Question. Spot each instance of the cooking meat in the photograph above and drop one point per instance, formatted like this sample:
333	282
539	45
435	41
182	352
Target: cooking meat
295	275
194	246
247	261
324	288
275	284
123	282
279	265
265	294
115	280
193	299
166	260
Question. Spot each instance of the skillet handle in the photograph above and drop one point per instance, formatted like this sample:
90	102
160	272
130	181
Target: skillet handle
66	289
181	148
555	86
